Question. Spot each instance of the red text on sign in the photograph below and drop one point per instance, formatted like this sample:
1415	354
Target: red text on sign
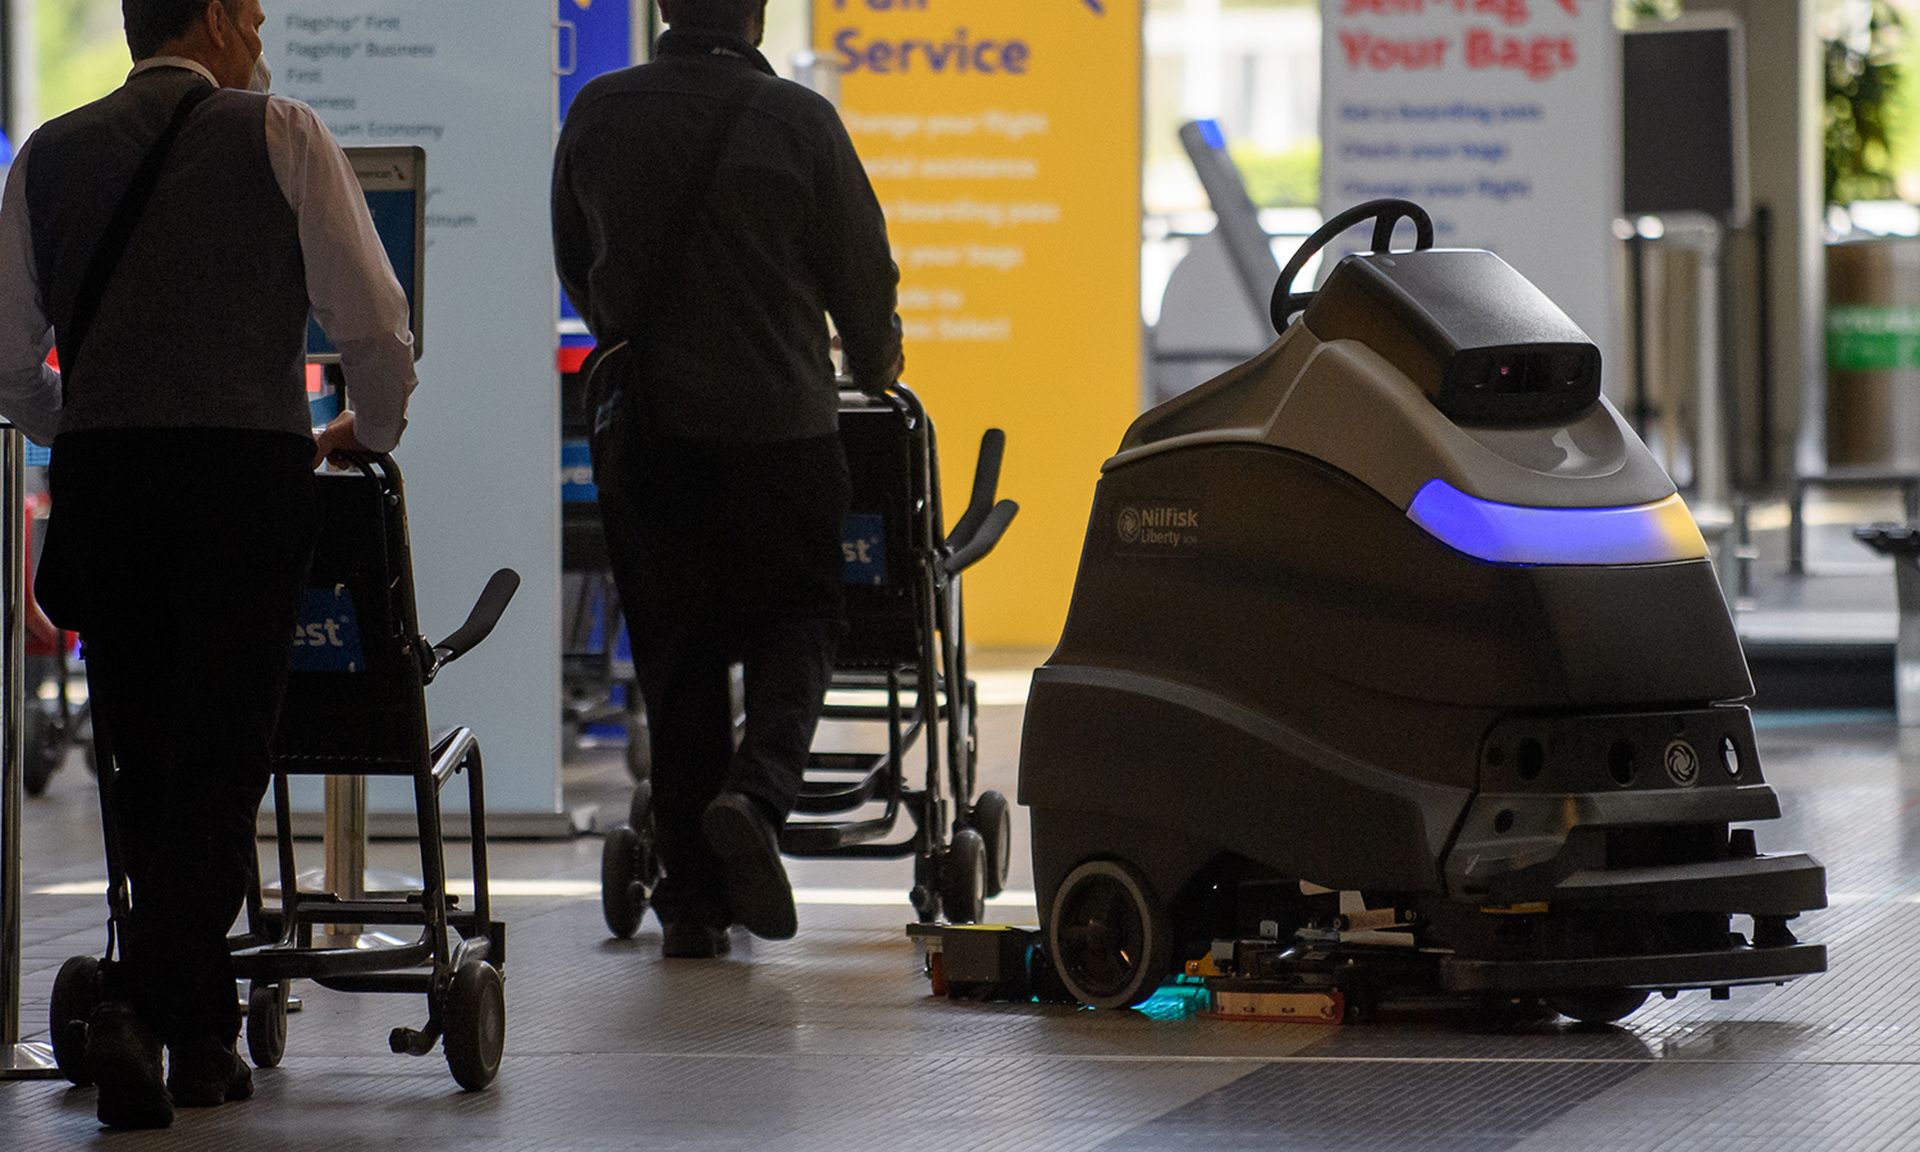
1540	57
1384	55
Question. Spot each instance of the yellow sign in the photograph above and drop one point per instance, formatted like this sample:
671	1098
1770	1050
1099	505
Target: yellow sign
1003	137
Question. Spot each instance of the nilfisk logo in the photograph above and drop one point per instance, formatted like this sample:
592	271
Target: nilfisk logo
1683	764
1164	527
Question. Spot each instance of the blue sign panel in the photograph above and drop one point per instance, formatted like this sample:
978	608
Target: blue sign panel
327	638
576	473
602	34
863	541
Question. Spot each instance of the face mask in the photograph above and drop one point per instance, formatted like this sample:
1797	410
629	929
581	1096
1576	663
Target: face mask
262	80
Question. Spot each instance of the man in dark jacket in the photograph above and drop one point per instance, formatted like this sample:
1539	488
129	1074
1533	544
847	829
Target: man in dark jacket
708	216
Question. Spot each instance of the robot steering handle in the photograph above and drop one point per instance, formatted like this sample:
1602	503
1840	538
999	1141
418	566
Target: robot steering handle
1386	215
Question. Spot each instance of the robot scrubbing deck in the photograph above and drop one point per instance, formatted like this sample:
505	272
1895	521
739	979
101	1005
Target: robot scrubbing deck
1402	609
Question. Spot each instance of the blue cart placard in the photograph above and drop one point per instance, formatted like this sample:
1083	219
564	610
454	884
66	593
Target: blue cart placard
863	541
576	473
327	638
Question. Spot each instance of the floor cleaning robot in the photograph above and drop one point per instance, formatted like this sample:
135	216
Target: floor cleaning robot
1395	657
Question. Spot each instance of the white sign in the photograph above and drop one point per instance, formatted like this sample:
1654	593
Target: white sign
471	82
1500	117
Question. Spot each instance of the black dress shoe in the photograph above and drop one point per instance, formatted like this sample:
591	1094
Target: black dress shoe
125	1058
693	940
204	1073
749	848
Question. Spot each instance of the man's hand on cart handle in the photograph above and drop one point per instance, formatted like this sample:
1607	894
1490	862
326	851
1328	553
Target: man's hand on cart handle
336	438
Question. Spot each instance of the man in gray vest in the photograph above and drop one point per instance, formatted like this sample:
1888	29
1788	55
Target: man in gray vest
708	217
182	477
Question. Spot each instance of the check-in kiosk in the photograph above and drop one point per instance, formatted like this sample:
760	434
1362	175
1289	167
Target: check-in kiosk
394	181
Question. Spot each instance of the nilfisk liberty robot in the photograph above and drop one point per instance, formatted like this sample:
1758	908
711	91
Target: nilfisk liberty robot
1396	660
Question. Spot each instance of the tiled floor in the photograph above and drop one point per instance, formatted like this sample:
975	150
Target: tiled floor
832	1042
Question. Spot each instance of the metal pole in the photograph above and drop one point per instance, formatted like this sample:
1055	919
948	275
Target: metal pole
1763	334
345	843
17	1061
1637	297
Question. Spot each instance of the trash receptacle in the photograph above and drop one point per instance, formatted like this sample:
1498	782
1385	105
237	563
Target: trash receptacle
1873	353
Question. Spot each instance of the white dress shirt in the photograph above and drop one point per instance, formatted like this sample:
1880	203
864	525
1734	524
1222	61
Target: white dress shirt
349	281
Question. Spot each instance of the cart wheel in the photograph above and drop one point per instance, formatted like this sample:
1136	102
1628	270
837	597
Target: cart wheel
640	811
1110	938
476	1016
963	878
625	890
267	1023
76	993
44	742
1599	1005
639	741
992	817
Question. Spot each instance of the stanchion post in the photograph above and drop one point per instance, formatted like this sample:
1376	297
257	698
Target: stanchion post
18	1061
345	845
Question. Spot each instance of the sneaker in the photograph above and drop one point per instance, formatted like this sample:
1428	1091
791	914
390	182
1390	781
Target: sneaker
124	1055
205	1072
749	849
693	940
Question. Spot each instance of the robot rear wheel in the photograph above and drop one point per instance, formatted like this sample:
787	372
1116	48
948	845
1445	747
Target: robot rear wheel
1109	935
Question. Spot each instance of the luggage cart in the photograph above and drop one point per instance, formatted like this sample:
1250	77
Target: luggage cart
902	670
355	706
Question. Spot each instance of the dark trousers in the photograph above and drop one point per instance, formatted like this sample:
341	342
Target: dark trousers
723	554
181	557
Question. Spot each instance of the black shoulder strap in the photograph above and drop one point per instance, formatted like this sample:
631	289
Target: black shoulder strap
113	243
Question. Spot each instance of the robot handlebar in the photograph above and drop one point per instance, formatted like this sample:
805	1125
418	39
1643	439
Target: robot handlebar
1386	215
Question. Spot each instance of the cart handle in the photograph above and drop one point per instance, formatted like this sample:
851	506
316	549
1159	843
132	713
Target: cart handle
480	622
986	485
984	540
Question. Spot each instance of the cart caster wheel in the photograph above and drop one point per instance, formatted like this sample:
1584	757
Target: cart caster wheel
926	906
43	744
267	1023
629	869
992	817
963	878
476	1019
76	993
1599	1005
1110	938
